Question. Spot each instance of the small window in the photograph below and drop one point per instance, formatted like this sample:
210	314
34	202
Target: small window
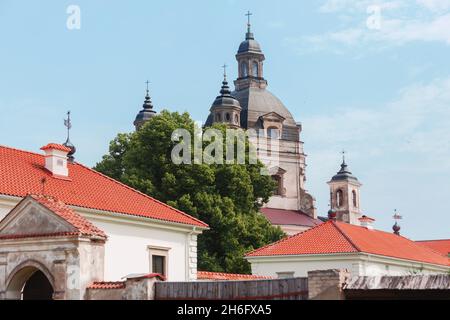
236	119
273	133
218	118
159	260
159	264
285	274
355	202
339	198
255	69
227	116
244	69
278	185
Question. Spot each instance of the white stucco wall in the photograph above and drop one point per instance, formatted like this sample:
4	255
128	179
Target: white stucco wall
126	250
358	265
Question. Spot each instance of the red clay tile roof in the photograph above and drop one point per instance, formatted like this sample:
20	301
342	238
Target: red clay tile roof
56	146
338	237
21	174
206	275
82	225
442	246
289	217
107	285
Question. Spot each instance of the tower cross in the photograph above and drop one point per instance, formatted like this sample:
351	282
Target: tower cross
147	83
248	14
224	70
343	155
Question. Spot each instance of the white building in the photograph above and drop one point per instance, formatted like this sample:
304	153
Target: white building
362	250
143	235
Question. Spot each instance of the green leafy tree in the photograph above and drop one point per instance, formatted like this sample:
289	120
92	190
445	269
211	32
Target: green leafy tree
225	196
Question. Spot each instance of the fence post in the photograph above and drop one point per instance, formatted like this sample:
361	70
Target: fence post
327	284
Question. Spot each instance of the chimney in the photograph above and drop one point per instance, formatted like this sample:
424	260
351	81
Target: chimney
366	222
56	159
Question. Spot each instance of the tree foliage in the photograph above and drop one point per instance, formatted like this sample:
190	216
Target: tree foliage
225	196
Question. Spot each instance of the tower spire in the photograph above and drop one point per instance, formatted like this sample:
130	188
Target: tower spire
147	111
68	125
249	34
148	102
225	90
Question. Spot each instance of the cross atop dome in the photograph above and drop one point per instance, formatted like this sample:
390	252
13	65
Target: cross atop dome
249	34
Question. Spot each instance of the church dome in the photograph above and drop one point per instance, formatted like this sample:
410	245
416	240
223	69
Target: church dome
249	45
344	173
258	102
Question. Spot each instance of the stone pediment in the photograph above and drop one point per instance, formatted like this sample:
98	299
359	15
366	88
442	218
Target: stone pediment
30	217
276	171
272	117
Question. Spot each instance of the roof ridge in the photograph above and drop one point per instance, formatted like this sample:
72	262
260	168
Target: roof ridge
346	236
432	240
284	239
143	194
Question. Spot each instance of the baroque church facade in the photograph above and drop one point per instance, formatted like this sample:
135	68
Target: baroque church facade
251	106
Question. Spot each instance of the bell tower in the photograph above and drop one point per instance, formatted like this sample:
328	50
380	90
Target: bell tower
345	195
250	62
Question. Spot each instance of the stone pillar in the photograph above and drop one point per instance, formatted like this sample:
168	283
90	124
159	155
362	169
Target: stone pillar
327	284
192	256
3	262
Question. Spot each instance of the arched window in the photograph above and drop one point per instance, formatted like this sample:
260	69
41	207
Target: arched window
236	119
339	198
278	185
218	118
227	116
244	69
255	69
355	203
273	133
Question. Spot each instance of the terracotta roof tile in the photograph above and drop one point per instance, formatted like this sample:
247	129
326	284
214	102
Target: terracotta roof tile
206	275
21	174
56	146
338	237
442	246
289	217
102	285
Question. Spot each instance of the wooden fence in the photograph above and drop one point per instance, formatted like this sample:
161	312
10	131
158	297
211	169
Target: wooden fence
276	289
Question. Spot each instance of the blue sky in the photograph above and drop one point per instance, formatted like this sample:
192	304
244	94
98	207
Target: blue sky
381	94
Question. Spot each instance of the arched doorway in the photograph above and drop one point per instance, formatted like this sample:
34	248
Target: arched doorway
30	283
37	287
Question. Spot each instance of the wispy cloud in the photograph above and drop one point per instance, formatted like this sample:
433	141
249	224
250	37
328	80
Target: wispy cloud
415	126
401	22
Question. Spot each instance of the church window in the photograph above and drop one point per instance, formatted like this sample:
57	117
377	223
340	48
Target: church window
227	116
218	118
236	118
273	133
255	69
355	203
244	69
339	198
278	185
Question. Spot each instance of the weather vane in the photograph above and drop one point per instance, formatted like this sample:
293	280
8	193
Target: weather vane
68	124
396	215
